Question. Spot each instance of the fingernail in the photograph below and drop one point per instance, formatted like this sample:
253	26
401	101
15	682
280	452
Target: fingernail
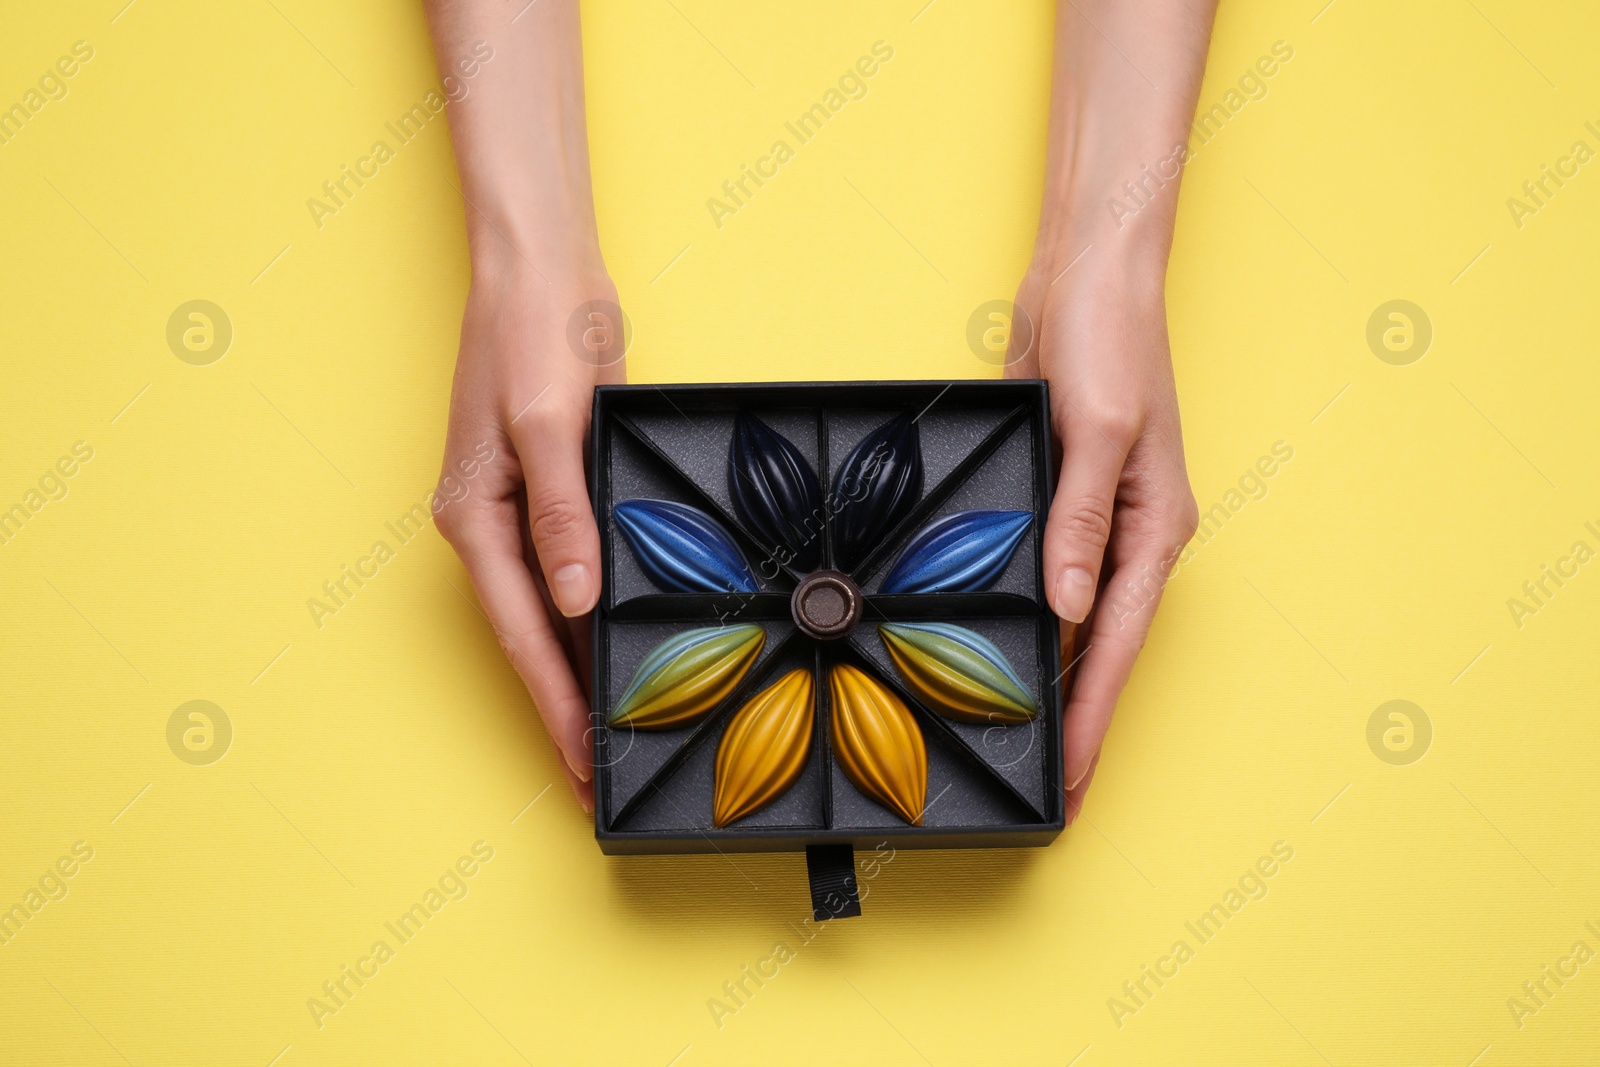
1074	594
579	768
570	587
587	805
1081	776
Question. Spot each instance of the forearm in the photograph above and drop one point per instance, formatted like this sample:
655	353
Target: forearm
1127	74
519	132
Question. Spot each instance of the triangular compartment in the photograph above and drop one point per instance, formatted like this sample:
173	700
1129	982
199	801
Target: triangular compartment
681	797
1016	754
638	473
634	757
1005	482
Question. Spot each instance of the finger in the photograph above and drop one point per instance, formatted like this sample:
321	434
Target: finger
1080	516
581	651
574	635
1076	794
1116	635
581	789
549	441
563	626
487	539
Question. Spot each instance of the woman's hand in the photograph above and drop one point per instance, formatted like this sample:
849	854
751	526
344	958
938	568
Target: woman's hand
1123	509
522	524
1127	74
541	329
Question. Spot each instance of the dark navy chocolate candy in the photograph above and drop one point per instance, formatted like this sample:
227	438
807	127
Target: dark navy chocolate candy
878	484
775	492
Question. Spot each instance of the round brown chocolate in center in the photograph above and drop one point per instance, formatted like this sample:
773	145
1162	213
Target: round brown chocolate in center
826	605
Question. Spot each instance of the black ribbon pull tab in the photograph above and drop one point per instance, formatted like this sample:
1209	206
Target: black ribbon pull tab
832	870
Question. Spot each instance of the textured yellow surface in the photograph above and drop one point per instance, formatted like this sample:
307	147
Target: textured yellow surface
370	756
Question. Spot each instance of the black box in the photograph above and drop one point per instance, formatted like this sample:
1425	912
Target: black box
983	445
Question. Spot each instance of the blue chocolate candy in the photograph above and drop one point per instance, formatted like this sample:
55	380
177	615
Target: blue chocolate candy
683	549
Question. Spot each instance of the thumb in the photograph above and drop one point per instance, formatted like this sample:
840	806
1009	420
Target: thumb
549	446
1080	519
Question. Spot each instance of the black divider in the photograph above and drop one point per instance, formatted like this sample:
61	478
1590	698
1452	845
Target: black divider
824	740
825	478
1054	695
928	607
703	607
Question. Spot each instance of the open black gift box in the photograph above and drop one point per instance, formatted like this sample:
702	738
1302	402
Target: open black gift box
982	448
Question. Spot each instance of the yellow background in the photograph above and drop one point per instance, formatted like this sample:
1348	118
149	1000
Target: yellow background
370	754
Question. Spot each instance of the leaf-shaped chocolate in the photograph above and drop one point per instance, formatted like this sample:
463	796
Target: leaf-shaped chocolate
958	673
686	676
775	492
961	553
878	483
764	748
877	743
683	549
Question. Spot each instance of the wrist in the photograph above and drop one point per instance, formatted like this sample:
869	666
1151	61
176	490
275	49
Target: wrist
1122	204
505	254
531	210
1132	259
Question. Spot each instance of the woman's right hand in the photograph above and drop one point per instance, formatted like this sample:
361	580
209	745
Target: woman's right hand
512	497
541	330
